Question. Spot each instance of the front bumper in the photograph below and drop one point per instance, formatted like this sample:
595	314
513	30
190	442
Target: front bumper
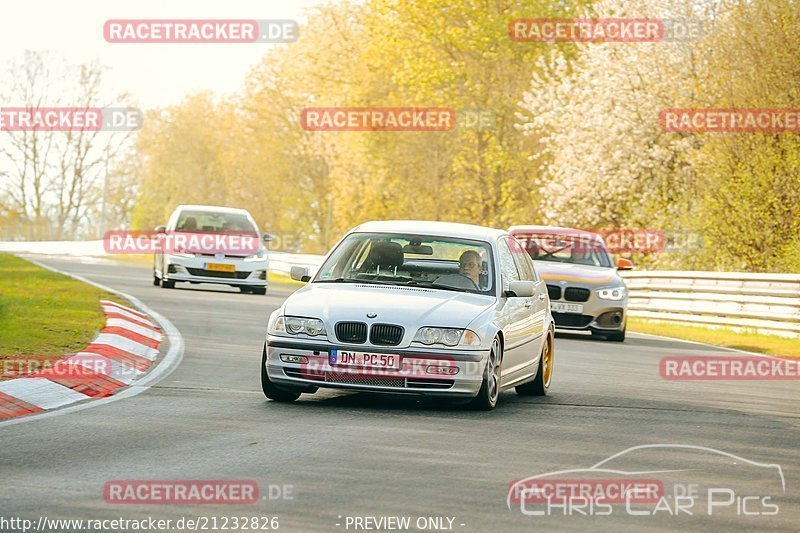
412	378
597	315
193	269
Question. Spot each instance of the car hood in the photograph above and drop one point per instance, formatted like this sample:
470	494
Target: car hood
409	307
586	275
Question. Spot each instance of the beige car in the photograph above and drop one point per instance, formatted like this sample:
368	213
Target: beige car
586	292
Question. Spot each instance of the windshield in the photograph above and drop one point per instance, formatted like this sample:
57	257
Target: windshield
395	259
206	221
579	249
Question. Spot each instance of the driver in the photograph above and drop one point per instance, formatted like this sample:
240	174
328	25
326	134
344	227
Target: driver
469	265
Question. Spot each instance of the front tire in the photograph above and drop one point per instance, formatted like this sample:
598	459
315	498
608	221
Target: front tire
486	400
167	284
258	290
156	280
270	389
540	385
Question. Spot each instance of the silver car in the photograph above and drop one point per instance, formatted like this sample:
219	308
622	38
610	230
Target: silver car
428	308
206	244
586	292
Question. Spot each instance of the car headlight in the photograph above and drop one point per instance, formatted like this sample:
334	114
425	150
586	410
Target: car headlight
612	293
448	336
295	325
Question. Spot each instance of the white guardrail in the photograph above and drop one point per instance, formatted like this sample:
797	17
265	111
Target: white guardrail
282	262
767	303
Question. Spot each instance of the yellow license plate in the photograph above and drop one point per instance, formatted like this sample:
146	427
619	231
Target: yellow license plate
219	267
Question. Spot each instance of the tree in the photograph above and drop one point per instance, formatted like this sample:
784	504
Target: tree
53	178
751	181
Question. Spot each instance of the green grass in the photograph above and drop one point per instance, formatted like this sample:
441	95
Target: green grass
45	315
750	342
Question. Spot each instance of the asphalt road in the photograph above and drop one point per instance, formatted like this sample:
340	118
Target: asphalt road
355	455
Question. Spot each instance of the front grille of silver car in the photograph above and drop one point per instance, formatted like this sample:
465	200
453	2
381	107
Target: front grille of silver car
576	294
380	381
355	379
385	334
351	332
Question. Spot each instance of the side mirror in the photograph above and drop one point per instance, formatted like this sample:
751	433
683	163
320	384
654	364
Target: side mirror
624	264
267	237
299	273
521	289
161	229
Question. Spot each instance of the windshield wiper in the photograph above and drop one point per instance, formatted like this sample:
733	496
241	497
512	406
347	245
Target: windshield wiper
433	285
340	280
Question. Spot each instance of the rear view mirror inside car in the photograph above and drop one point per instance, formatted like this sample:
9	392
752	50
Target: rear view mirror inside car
421	249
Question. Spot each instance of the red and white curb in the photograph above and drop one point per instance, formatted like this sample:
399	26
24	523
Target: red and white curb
124	350
119	363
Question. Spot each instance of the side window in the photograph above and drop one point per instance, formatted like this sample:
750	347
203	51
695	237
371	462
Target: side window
508	268
524	263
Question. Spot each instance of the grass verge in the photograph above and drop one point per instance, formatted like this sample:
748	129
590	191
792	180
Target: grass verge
750	342
45	315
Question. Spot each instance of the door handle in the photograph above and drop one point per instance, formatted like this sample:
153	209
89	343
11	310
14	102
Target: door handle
541	297
528	303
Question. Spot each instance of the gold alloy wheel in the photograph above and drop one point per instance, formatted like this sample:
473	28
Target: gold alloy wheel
547	360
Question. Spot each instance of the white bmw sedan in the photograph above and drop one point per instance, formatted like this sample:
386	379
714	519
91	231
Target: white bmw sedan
428	308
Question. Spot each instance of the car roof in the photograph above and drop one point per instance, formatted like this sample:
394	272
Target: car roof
429	227
550	230
212	208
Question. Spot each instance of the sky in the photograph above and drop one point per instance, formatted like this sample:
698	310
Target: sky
154	74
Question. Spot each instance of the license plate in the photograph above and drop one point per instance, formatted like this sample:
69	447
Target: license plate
560	307
368	360
220	267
